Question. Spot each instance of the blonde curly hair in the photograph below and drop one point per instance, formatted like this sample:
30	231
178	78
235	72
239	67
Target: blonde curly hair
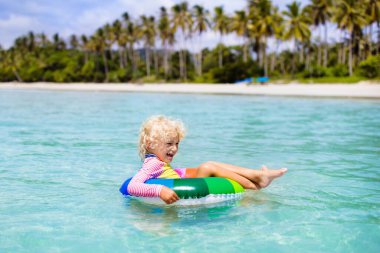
158	129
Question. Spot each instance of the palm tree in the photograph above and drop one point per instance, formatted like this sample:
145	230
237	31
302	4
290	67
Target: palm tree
171	43
201	24
182	20
164	33
298	30
239	25
109	38
350	16
279	34
221	26
373	13
44	40
21	46
125	22
121	40
133	35
148	32
74	43
85	46
263	23
58	43
321	11
100	46
31	38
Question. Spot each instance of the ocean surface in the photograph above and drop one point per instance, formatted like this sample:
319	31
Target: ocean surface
64	155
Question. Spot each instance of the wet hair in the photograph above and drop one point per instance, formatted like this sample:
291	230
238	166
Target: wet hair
157	129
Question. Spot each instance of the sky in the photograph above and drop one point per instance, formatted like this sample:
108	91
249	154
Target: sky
68	17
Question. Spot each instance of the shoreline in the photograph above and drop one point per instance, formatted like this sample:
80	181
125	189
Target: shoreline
361	90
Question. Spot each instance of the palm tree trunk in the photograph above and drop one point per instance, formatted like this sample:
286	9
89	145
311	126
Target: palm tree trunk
325	56
245	51
370	39
344	56
220	52
200	56
265	57
156	62
359	56
184	65
319	59
165	61
350	57
282	63
220	57
343	53
274	55
301	53
135	61
339	49
121	64
105	65
272	62
184	57
259	53
180	54
125	56
131	54
194	56
200	63
17	75
147	61
170	61
378	38
294	58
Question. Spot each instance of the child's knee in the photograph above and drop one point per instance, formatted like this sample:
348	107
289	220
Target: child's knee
207	167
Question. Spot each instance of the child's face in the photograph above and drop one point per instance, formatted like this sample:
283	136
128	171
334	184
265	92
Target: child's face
167	149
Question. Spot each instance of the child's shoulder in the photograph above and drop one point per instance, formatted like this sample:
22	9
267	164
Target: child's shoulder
152	160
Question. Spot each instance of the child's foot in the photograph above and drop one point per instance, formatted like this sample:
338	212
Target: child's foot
267	176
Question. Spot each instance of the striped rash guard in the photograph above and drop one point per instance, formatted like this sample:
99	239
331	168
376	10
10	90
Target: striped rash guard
152	168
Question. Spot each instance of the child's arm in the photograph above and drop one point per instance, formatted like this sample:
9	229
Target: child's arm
137	186
151	168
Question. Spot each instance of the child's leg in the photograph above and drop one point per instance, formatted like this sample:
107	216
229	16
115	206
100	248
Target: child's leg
261	178
213	170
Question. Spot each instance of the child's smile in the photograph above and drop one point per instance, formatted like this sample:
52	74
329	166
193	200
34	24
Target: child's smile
166	150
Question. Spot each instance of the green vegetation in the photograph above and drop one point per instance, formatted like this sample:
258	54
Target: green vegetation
157	49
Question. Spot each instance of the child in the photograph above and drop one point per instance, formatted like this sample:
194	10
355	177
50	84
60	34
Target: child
158	144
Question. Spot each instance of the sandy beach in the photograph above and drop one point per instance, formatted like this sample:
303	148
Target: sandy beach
361	90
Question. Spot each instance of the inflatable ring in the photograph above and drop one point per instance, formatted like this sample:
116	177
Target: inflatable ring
194	191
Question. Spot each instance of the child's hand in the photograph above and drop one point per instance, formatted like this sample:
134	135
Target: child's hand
168	195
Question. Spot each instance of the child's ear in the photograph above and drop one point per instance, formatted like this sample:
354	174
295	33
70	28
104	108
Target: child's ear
149	145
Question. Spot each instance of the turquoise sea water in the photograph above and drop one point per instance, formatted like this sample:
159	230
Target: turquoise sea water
63	156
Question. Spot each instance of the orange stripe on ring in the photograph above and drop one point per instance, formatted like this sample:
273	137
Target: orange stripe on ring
191	172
